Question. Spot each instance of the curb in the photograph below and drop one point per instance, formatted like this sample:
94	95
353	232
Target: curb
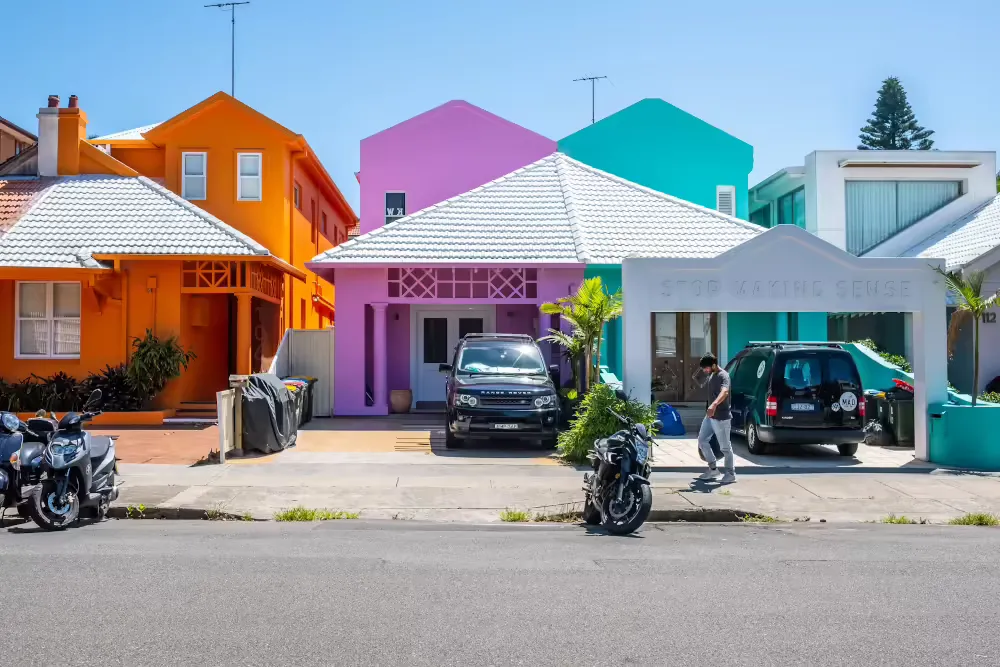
170	513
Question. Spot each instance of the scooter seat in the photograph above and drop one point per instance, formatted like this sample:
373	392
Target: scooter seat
99	446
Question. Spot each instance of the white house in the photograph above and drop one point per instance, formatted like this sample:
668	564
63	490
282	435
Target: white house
940	204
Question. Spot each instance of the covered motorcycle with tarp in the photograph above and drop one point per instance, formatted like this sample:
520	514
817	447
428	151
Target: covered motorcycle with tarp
270	414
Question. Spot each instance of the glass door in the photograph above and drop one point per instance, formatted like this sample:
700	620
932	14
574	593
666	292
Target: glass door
668	363
701	339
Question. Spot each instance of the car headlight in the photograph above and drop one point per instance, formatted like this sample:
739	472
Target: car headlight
542	401
10	422
467	399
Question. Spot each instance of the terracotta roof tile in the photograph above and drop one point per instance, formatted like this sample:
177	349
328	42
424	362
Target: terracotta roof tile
16	196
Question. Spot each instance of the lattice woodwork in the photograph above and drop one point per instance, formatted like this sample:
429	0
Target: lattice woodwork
463	283
210	275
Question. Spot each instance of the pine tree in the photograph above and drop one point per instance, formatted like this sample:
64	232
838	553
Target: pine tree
893	126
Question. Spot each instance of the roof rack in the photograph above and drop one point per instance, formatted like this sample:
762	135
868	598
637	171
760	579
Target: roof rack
792	343
500	335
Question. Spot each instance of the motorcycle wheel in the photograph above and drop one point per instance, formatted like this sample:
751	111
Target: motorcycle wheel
48	513
636	503
591	515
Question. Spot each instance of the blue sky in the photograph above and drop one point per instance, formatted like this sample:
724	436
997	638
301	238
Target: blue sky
787	77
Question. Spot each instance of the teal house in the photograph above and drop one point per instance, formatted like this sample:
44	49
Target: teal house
655	144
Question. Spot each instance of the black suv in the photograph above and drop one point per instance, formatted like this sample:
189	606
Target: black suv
498	387
797	394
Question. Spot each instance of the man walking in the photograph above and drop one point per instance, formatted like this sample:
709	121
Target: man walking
718	420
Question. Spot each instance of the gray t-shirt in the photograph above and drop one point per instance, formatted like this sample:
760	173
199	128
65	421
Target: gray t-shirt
716	383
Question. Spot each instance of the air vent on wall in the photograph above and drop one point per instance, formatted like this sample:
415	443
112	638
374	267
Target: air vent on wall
725	199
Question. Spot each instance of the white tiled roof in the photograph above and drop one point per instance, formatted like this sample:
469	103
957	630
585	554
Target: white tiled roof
554	210
133	134
965	240
82	216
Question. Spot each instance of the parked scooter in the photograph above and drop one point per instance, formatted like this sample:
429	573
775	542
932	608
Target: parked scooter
21	450
77	471
618	494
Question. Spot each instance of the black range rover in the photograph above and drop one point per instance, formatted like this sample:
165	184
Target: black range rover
499	387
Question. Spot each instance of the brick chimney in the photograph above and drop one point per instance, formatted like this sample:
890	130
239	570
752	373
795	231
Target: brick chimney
59	133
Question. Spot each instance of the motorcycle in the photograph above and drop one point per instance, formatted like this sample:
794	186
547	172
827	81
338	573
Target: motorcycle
21	451
77	471
618	495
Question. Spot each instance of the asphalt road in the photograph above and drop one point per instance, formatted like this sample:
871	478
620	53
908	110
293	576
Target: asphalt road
400	593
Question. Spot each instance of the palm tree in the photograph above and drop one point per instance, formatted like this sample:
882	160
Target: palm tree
972	304
587	310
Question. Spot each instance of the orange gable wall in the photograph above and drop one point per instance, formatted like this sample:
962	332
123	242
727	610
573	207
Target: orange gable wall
222	130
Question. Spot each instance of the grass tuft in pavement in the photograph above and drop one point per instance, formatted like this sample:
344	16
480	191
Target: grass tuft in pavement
308	514
514	516
976	519
892	518
759	518
559	517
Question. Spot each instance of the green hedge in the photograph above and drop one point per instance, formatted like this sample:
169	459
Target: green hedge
593	421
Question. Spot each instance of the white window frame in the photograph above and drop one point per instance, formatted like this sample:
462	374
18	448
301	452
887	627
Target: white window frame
49	317
731	191
385	218
240	177
185	176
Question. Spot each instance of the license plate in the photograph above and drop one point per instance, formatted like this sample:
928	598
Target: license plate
506	427
641	452
802	407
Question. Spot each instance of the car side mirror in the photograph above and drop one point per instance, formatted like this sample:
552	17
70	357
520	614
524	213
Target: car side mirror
657	426
555	371
444	368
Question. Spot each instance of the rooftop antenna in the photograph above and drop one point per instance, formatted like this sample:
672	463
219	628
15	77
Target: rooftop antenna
232	40
593	93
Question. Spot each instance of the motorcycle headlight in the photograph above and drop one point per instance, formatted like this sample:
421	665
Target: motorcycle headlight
542	401
10	422
66	450
467	399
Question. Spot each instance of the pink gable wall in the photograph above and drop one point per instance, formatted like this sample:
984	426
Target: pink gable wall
439	154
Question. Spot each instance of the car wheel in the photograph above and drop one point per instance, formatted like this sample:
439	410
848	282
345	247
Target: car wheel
551	442
753	440
450	441
848	450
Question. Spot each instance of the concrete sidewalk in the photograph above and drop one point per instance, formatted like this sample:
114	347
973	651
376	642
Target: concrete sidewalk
413	486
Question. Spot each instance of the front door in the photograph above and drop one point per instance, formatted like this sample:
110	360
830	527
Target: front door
437	335
679	342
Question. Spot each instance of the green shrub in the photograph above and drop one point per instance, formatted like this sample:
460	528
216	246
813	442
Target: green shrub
156	362
593	421
990	397
894	359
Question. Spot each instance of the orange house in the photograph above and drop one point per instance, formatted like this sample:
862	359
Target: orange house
198	227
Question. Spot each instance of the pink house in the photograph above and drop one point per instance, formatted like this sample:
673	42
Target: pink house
434	156
484	261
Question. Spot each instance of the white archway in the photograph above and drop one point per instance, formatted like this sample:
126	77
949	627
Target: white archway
787	269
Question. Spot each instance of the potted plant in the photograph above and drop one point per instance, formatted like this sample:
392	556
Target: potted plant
400	400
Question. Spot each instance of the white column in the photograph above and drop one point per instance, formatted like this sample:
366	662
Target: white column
929	332
379	355
637	346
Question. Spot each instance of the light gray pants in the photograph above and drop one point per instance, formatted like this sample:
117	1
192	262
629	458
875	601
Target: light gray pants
721	428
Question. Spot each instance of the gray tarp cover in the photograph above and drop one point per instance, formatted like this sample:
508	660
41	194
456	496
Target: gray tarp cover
270	419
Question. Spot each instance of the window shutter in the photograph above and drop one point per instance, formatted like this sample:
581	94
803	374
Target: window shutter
725	199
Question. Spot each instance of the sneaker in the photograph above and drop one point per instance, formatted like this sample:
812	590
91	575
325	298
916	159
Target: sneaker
711	473
728	478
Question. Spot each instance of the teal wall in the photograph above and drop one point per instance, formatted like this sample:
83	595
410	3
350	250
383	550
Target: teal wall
611	345
655	144
743	328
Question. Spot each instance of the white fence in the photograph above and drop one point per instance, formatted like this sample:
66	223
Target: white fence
308	352
226	404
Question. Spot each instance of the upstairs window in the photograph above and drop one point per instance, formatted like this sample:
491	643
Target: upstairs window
297	196
792	208
725	199
249	187
194	185
323	216
762	216
878	210
395	206
48	320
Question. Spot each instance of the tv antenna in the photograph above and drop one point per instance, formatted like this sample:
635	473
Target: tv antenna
593	93
232	40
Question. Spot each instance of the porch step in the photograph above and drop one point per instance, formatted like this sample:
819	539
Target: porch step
195	412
